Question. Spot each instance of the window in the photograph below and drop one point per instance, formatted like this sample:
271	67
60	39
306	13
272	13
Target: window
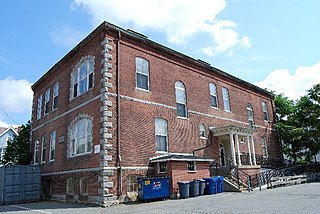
213	95
162	167
55	96
264	146
161	129
132	183
82	76
2	152
43	149
36	152
46	101
226	101
52	146
265	111
250	116
39	108
191	166
202	131
84	186
181	99
142	73
80	137
70	186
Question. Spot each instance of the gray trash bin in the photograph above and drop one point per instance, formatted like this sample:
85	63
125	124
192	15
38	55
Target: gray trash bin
202	185
184	187
194	188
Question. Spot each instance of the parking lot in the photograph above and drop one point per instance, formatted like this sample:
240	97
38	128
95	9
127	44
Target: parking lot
304	198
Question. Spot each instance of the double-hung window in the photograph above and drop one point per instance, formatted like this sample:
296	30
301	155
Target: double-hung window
43	148
226	101
36	152
162	167
80	135
142	73
52	146
46	101
265	111
264	146
191	166
181	99
250	116
39	107
82	77
55	96
161	129
202	131
213	95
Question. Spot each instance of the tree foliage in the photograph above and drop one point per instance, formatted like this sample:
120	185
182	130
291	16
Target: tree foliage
299	125
18	149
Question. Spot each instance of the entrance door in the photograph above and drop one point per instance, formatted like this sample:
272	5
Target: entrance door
222	155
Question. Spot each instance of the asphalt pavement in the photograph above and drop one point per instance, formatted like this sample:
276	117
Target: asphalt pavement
304	198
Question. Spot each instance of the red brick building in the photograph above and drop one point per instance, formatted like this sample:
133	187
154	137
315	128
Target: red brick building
119	105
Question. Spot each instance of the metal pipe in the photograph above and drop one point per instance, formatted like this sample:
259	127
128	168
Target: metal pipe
119	164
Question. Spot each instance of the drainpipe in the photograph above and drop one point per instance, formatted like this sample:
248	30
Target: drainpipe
119	164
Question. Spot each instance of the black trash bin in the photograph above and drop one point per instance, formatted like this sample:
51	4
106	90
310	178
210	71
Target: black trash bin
194	188
202	185
184	187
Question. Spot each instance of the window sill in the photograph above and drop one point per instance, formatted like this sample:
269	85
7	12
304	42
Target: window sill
194	171
53	110
79	95
162	172
203	138
182	118
144	90
227	111
79	155
214	107
161	152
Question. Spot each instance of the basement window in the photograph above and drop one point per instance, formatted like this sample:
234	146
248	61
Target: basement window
162	167
191	166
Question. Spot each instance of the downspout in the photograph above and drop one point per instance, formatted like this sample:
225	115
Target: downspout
119	164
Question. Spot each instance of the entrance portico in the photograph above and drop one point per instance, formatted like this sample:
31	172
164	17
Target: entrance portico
236	136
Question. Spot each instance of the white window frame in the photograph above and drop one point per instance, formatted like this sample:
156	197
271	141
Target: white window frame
191	166
39	107
55	93
213	94
159	133
145	73
43	148
36	152
162	167
46	102
52	151
77	139
265	111
264	146
202	131
76	78
250	116
226	99
179	86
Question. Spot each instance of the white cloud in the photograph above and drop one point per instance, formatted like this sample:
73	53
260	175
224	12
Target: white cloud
66	36
16	95
292	85
179	20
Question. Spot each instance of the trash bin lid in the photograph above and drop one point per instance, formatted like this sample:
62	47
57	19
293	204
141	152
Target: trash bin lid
183	182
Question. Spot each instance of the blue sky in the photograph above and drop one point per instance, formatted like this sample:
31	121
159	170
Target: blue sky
273	44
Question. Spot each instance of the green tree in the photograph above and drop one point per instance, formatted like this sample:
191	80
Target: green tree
18	149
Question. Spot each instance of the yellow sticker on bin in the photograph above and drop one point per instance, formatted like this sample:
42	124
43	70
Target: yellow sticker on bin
147	182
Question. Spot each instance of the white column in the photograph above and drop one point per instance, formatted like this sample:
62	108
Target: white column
238	150
249	150
253	152
233	155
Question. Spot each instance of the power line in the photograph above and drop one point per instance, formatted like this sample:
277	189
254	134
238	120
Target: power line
8	116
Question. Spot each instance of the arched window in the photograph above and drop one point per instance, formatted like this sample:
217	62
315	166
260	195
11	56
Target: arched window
161	129
142	73
250	116
36	152
80	137
181	99
70	186
82	76
202	129
265	111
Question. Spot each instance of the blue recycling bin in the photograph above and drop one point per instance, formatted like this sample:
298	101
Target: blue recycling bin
220	184
153	188
211	186
184	189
